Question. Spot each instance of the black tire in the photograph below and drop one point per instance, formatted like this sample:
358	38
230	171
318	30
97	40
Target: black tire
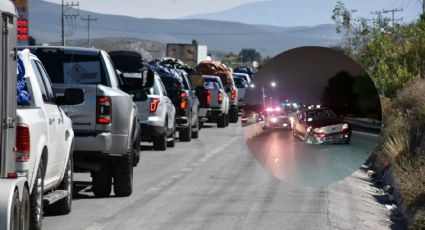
234	116
221	122
123	176
36	199
160	142
136	149
172	143
16	212
186	134
102	181
24	221
195	134
64	206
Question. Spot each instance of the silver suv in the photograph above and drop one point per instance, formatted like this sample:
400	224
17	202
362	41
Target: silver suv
157	116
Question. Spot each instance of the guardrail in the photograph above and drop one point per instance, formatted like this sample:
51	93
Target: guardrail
365	124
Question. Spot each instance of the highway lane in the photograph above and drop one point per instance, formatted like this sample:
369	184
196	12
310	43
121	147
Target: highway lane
293	161
214	182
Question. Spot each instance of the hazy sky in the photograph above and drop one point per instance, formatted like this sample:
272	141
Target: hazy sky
166	9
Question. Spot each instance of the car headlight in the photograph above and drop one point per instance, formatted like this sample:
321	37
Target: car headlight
345	126
319	130
273	119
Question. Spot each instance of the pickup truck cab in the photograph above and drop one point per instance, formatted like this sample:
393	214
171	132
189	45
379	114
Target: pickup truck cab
44	139
107	136
219	104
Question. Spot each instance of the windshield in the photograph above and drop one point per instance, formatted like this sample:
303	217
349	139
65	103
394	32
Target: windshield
321	115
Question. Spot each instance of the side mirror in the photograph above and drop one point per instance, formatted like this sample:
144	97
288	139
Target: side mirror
71	96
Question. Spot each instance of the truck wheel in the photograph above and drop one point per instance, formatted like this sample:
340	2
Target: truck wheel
234	116
186	134
160	142
136	150
227	120
102	181
123	176
24	221
172	142
36	199
195	134
64	205
16	211
221	122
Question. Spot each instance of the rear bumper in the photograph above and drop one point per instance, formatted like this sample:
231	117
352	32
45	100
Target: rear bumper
150	131
106	143
214	114
182	122
334	138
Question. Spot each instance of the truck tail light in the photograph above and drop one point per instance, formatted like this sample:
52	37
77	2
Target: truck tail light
220	97
183	103
154	104
233	94
22	142
207	98
104	110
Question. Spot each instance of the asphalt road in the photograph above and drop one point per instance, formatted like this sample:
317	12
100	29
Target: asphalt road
214	182
295	162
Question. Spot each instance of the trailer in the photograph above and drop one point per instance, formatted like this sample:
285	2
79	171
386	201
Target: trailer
14	195
191	54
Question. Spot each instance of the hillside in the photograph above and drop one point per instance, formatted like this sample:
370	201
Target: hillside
218	35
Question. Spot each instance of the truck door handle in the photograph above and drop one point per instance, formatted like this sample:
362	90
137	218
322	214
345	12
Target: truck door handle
51	120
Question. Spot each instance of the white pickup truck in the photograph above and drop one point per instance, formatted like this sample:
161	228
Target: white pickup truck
44	140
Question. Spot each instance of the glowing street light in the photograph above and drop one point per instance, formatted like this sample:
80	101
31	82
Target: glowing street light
273	84
252	86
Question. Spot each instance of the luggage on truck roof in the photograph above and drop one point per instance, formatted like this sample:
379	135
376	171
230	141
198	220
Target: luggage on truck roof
215	68
127	61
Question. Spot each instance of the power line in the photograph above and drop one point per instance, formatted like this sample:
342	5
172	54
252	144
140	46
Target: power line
393	11
65	15
89	19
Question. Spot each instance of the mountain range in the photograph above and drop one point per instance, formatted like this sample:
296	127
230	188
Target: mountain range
218	35
291	13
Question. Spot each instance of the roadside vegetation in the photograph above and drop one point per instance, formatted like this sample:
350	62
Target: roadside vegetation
394	57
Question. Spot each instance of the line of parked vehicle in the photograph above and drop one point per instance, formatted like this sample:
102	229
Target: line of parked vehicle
88	110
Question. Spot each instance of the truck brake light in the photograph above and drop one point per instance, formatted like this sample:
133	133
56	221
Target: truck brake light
154	104
183	103
220	97
233	95
207	97
104	110
23	142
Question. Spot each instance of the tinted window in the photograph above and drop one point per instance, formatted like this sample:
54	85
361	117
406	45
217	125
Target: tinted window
73	68
240	83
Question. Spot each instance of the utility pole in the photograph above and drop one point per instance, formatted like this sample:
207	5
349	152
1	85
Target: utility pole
89	19
423	6
379	14
393	11
64	15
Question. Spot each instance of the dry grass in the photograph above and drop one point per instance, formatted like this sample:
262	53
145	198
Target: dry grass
403	143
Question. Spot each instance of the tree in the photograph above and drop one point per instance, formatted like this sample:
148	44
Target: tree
250	55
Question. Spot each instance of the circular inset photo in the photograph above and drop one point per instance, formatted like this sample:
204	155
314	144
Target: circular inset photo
311	116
